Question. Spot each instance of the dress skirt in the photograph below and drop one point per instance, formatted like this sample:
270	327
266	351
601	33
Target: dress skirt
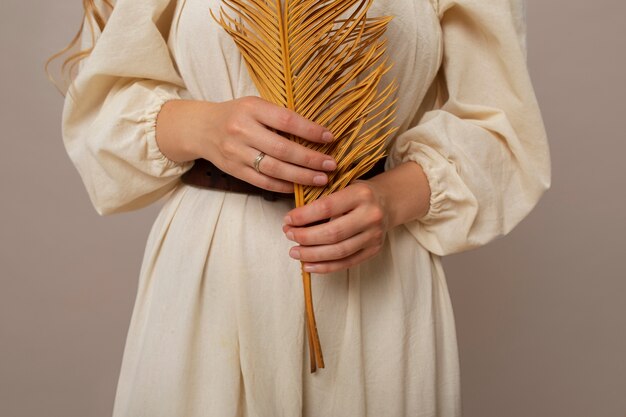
218	327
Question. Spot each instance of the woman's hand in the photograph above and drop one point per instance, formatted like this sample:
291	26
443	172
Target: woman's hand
359	221
360	216
232	133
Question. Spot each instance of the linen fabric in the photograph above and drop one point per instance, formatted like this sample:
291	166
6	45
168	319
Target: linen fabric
218	326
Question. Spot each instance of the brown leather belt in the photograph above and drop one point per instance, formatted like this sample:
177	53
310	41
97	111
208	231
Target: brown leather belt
206	175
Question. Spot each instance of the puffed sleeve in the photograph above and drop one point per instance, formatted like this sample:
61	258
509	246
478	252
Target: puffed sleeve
483	147
110	110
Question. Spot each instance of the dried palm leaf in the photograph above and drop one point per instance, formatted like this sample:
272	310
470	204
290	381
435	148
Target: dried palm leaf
303	56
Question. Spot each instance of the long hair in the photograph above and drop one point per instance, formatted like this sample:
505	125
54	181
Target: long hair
96	18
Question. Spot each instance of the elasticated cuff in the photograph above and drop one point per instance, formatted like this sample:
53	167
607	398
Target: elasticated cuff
434	167
166	166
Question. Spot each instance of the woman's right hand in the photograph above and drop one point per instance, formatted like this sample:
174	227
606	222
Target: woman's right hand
232	133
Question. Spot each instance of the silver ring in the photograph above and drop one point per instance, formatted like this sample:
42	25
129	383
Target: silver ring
257	161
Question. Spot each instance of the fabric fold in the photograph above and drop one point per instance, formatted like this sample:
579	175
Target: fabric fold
484	147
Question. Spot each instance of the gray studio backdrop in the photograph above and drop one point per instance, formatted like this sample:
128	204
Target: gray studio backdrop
540	314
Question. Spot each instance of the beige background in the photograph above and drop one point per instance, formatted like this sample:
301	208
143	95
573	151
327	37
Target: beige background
541	314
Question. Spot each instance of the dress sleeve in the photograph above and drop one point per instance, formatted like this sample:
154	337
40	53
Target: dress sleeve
110	110
483	147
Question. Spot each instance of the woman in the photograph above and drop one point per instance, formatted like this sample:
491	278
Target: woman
218	326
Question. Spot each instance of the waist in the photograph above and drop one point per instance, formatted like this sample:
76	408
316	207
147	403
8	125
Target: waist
205	174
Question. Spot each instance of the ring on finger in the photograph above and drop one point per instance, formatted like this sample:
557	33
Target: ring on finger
257	161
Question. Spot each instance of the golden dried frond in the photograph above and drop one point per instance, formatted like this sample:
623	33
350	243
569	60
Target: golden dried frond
308	57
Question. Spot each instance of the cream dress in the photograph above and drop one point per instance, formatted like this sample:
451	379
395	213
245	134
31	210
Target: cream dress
218	325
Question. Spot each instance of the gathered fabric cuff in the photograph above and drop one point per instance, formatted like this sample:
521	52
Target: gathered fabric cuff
165	166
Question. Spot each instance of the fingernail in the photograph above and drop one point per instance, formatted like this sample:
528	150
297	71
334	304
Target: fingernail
319	179
294	253
310	268
287	220
329	164
290	236
327	136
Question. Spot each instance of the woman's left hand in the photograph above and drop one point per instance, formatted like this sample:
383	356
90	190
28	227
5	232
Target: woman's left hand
356	230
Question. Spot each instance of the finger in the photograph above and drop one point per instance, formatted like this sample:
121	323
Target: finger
286	150
275	168
324	208
250	175
337	251
342	264
289	121
334	231
243	169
